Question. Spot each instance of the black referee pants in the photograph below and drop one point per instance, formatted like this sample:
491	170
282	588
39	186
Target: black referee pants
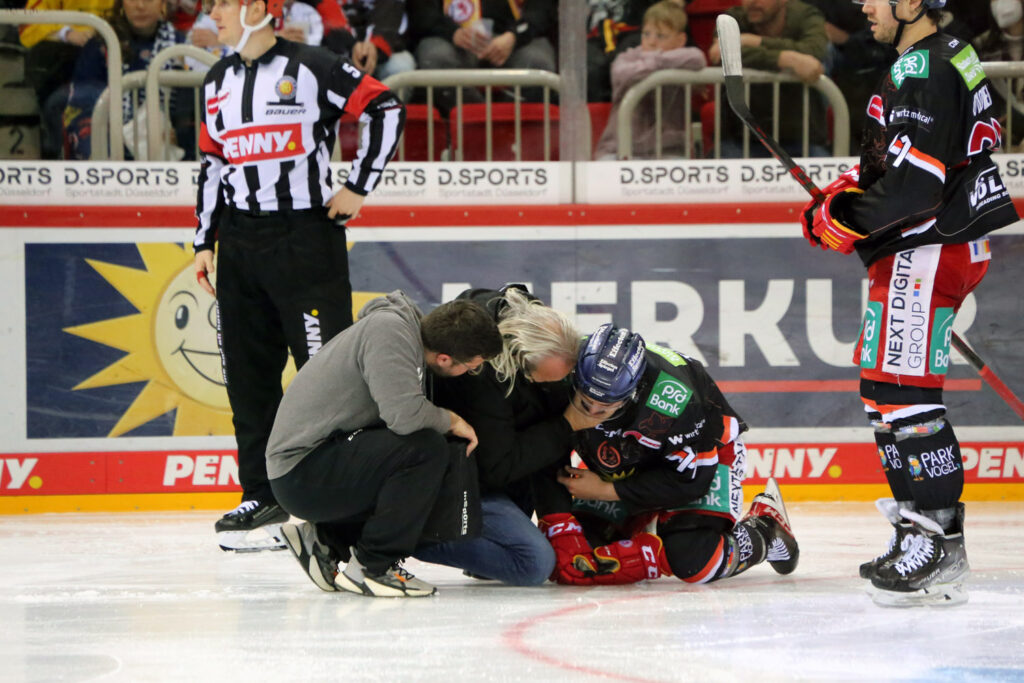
282	284
373	489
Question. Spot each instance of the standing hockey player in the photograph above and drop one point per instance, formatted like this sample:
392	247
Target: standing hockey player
265	194
659	442
917	214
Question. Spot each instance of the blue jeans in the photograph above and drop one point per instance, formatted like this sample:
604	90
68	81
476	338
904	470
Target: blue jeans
510	548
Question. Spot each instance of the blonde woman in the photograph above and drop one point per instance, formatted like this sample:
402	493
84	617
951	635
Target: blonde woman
515	404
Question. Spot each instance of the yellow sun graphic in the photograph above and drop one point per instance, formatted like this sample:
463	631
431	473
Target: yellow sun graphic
171	344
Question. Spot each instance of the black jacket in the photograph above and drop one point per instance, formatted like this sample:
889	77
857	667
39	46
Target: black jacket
519	434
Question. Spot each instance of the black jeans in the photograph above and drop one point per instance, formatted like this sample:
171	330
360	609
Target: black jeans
282	284
373	489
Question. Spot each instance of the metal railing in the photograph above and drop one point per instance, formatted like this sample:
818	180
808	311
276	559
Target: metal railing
22	16
486	78
150	81
687	79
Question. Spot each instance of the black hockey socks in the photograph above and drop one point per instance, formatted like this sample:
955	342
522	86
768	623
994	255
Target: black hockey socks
934	468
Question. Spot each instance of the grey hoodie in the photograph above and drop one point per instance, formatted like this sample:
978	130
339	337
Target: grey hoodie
370	375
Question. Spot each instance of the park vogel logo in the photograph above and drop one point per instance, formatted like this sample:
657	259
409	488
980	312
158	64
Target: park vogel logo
171	343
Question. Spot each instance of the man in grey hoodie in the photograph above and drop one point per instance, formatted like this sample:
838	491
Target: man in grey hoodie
359	451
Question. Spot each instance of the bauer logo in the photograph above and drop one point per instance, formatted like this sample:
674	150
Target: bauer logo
259	143
669	396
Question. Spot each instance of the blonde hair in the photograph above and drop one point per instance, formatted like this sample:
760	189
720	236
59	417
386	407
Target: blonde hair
531	332
667	13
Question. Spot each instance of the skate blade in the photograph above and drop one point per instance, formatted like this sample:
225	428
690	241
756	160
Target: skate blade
939	595
266	537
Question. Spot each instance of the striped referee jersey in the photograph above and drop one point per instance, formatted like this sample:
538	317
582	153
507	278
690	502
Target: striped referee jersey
269	128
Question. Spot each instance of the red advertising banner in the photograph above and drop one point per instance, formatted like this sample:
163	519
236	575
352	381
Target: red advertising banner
30	474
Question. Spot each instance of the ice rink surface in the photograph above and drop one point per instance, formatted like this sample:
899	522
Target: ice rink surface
150	597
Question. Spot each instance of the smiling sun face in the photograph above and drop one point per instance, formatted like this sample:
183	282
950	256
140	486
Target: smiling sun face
185	335
171	345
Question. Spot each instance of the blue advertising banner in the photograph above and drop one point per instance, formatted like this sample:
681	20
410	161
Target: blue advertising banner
121	342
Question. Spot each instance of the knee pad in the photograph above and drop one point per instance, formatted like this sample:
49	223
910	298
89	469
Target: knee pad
697	555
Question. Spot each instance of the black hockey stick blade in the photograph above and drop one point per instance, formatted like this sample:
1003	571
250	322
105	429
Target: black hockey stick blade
732	68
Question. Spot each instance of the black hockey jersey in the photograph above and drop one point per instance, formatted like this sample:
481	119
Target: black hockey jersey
926	164
268	130
662	452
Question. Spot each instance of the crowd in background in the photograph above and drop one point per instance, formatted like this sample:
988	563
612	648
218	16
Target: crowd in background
66	67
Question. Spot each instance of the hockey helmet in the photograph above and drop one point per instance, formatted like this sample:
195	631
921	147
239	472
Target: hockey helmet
610	365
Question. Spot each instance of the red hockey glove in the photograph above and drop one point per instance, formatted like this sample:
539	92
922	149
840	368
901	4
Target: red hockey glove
641	557
832	232
847	179
566	537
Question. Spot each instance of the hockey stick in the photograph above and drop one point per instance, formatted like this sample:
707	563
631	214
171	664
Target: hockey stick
732	68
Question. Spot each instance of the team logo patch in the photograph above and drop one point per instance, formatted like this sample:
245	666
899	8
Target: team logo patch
969	65
213	104
911	65
285	88
608	456
461	11
876	109
669	396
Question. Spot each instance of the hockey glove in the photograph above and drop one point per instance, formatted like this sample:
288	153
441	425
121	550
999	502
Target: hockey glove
641	557
566	537
831	230
846	180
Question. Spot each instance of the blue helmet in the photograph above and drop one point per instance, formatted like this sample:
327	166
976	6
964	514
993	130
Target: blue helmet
611	364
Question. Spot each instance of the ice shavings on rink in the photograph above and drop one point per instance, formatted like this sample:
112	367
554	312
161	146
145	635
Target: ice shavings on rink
150	597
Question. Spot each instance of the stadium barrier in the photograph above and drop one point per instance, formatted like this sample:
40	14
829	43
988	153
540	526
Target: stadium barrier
688	79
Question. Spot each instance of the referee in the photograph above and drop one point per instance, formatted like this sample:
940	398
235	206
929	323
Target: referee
270	118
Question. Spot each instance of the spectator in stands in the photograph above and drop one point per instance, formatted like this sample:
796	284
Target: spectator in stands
613	26
52	51
143	29
662	46
779	35
370	33
1003	41
482	33
856	61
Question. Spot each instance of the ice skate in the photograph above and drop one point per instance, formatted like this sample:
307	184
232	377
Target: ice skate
890	510
251	526
313	556
768	512
931	570
395	582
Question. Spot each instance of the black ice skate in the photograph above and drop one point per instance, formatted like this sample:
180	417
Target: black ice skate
768	513
890	510
931	570
313	555
251	526
395	582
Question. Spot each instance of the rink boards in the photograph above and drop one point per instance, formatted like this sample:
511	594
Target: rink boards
114	398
